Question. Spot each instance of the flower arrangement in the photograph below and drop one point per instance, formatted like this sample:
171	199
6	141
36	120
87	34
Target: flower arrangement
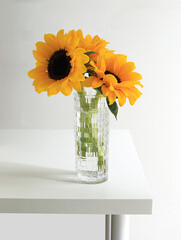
70	61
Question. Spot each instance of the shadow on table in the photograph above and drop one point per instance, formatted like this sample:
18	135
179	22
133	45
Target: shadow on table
12	171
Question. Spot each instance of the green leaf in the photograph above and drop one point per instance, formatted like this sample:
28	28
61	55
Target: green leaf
113	108
90	52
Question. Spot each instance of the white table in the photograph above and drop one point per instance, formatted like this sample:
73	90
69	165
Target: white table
37	176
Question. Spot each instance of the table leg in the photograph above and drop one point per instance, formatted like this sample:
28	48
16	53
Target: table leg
107	227
119	227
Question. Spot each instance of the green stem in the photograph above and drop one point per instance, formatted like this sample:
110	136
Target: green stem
89	132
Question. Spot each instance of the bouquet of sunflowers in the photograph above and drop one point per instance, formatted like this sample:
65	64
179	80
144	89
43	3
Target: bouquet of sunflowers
68	61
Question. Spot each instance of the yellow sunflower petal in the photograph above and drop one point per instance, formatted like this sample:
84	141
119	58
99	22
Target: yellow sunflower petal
76	77
88	38
135	83
60	38
38	64
82	58
44	83
125	90
121	97
51	41
98	43
80	50
60	34
95	39
110	59
105	90
79	33
78	66
134	94
77	86
88	82
41	76
99	72
43	50
38	57
53	91
81	53
127	84
72	41
120	60
66	88
55	87
128	67
37	71
39	89
111	97
97	83
133	76
101	63
110	79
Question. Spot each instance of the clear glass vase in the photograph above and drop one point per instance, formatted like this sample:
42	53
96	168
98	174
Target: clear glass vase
91	129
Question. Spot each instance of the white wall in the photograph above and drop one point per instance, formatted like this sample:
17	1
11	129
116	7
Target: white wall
149	32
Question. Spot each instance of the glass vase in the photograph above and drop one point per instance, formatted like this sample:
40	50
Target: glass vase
91	130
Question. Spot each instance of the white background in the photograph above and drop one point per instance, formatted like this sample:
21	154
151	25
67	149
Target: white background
149	33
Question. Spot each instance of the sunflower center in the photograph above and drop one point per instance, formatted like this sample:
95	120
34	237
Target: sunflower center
59	65
118	79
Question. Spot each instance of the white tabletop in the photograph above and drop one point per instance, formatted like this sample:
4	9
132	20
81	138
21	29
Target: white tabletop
37	176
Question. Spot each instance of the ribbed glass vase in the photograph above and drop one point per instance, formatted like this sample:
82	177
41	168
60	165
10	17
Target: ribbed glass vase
91	129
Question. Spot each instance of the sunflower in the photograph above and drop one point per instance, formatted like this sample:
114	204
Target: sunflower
60	64
95	44
116	78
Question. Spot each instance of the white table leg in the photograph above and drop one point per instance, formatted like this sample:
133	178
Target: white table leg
119	227
107	227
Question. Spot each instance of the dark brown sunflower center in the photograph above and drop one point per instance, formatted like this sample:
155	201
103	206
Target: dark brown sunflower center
118	79
59	65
